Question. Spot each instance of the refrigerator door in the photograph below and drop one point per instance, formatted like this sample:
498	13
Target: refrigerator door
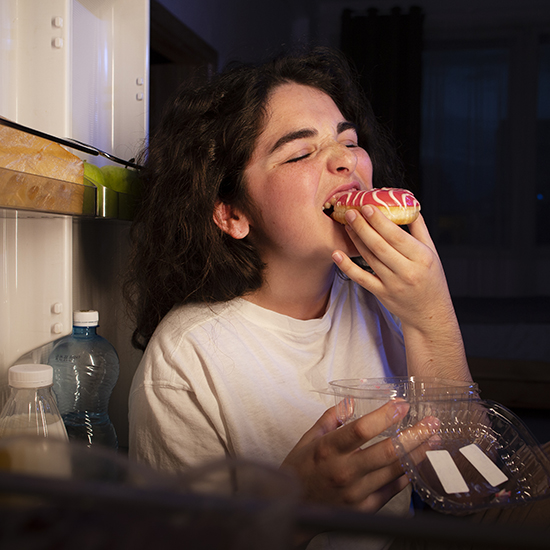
78	69
74	69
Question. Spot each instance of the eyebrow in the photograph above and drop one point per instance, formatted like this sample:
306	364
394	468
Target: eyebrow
307	133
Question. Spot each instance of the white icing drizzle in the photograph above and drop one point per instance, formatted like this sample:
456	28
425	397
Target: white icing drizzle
396	199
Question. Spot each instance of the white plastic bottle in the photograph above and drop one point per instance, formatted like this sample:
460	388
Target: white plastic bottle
31	410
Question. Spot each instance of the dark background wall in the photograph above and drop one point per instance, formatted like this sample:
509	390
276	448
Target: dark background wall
502	295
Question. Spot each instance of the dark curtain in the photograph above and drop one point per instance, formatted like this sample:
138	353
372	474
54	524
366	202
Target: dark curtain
387	52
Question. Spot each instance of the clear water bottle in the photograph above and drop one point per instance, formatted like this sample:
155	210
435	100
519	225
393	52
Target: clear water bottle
86	369
31	407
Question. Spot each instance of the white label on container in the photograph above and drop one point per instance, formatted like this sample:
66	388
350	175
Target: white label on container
484	465
447	472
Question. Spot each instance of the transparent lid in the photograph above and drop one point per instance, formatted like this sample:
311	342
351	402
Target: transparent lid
411	388
477	455
85	318
30	376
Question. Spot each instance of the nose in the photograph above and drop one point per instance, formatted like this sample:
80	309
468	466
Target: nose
341	159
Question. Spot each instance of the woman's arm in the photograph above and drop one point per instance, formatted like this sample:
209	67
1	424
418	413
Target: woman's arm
410	282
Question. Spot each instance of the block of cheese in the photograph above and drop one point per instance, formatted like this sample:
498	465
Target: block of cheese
29	156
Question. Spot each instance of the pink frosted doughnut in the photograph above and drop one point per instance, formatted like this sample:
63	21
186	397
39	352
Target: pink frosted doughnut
399	205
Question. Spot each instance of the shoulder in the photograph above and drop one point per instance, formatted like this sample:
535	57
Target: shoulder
186	318
178	342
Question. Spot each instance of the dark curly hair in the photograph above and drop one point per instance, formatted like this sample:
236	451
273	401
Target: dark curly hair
197	156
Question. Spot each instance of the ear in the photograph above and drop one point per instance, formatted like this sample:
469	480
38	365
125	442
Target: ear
231	220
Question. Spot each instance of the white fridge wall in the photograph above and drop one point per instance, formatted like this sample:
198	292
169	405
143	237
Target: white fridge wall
110	63
34	62
79	69
35	283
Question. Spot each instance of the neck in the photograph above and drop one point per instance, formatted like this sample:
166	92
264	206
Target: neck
299	293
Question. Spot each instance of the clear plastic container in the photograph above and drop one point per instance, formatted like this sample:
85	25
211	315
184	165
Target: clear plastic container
482	456
461	453
359	396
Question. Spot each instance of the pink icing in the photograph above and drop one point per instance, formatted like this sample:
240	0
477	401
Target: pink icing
385	197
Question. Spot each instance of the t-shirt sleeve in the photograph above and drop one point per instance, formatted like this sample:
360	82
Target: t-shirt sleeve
169	430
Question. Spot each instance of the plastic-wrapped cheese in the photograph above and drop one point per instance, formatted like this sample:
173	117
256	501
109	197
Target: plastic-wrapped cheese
34	155
27	154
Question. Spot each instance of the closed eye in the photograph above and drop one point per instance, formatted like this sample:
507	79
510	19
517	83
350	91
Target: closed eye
296	159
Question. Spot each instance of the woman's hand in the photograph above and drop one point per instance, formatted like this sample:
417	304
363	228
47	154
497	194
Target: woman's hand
409	278
410	282
334	469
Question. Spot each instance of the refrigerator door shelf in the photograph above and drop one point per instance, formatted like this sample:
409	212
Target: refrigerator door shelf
26	191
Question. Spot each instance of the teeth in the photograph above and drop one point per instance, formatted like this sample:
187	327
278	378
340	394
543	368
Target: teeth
332	201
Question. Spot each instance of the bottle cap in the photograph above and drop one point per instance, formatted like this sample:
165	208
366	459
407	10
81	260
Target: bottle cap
85	318
30	376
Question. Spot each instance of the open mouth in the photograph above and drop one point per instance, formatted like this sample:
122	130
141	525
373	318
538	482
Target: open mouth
328	207
328	210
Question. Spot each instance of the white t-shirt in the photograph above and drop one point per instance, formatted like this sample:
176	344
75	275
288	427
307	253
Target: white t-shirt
237	380
234	379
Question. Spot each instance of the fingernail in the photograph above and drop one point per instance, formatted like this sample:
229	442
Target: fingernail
351	215
400	409
345	409
337	257
367	211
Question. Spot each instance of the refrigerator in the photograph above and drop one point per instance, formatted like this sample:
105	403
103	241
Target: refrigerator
72	69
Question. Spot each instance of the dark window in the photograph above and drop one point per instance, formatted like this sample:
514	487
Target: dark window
464	112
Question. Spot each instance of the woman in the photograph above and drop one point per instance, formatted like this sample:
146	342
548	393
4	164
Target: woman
240	299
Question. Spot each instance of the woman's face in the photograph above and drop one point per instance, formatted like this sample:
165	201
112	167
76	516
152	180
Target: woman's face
306	153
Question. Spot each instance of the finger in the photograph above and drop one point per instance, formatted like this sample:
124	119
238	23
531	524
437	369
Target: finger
388	243
383	453
345	409
414	442
375	237
357	274
422	431
375	489
328	422
375	500
355	434
419	231
419	454
370	478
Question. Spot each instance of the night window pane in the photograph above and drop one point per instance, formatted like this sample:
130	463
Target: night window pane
463	125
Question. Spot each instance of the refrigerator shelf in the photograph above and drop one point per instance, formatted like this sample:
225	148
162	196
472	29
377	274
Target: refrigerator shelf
23	191
29	192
